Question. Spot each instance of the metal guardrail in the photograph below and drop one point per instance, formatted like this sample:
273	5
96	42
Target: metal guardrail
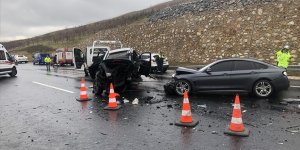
290	68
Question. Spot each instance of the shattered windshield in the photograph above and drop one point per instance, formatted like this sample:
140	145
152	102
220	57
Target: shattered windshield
119	55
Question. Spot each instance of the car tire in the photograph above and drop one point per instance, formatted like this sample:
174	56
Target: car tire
181	86
97	88
13	72
86	72
263	88
164	70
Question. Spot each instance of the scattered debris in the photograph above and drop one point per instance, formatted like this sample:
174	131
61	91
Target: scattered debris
214	132
171	124
19	132
125	118
135	101
292	131
170	106
103	133
292	100
91	112
126	100
157	107
244	111
280	143
283	103
202	106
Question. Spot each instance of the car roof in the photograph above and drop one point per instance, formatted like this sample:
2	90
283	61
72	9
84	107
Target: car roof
242	59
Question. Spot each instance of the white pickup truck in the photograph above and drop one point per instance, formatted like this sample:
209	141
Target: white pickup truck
93	56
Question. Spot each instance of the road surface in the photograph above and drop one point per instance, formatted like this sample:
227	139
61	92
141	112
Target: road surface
38	110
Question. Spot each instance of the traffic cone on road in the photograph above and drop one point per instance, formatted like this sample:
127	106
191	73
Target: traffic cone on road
83	94
236	126
186	119
112	102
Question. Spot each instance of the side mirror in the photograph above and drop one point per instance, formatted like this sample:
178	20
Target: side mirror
208	70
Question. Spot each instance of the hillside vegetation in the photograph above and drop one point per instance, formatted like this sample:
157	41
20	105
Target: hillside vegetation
193	31
72	36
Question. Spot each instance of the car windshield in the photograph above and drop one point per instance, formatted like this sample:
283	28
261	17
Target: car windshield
100	50
119	55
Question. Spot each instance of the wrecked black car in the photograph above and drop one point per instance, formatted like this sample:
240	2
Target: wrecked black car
120	67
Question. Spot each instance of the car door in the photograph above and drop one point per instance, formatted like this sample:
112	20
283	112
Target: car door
243	75
77	58
3	60
215	77
145	64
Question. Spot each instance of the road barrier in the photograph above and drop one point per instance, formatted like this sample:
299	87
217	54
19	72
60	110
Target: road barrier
83	94
186	119
112	102
236	126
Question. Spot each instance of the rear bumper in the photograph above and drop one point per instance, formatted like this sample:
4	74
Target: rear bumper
281	83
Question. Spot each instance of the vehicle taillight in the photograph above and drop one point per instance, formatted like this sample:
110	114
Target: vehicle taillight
284	73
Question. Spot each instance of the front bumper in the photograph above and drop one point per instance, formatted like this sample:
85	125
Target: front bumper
281	83
169	87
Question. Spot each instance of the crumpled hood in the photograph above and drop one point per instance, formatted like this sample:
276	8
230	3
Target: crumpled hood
182	70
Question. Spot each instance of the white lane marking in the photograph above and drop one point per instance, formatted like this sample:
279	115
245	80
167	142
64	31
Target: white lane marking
52	87
293	86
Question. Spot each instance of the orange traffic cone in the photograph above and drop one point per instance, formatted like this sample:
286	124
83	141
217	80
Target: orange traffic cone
236	126
186	119
83	95
112	102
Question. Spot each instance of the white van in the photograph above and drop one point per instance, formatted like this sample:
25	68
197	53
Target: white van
7	63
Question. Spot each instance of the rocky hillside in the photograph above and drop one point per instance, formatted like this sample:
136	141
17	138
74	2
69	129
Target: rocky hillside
201	31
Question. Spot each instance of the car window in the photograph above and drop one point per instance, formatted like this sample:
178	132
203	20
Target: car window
222	66
243	65
2	55
8	56
145	56
259	66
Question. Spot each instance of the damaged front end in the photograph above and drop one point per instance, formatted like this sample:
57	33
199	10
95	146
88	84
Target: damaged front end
119	67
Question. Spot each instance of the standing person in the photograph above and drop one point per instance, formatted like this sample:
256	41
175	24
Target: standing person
283	57
47	60
160	63
54	60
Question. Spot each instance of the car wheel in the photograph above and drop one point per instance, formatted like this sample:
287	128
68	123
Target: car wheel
181	86
97	88
86	72
263	88
13	72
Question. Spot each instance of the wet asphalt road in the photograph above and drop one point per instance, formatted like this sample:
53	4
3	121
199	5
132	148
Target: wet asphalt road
34	116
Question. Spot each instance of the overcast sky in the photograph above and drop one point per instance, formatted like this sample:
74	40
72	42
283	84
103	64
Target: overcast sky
21	19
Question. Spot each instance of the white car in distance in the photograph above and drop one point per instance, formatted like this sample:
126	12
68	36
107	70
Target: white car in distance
21	59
